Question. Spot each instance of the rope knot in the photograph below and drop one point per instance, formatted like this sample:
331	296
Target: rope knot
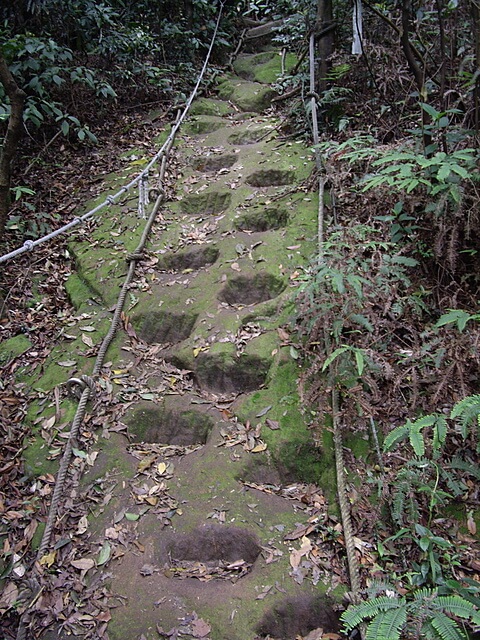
110	199
28	244
135	256
76	386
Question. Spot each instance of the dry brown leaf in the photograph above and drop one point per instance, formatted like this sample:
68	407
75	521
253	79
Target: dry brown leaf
200	628
84	564
9	596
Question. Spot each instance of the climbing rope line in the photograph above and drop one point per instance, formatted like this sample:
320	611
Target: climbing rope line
32	588
353	568
29	245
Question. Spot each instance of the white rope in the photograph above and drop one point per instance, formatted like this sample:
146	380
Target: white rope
29	245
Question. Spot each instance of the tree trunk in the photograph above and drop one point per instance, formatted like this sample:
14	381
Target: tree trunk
476	90
418	74
324	22
11	139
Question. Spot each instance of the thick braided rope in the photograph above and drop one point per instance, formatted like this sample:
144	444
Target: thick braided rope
353	569
62	472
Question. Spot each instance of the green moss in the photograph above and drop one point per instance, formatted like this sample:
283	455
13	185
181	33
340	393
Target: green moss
209	107
248	96
78	291
358	444
291	447
38	456
14	347
201	125
265	67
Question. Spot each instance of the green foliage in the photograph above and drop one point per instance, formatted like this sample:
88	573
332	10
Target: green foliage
414	432
458	317
342	292
43	68
464	414
438	175
423	614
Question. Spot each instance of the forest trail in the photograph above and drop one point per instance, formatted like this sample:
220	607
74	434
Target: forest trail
194	496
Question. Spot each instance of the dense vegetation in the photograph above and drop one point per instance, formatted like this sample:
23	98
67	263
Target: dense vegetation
389	307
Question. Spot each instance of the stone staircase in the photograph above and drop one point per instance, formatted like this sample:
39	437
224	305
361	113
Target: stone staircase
203	463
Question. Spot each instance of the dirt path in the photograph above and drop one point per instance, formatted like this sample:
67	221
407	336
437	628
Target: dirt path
201	467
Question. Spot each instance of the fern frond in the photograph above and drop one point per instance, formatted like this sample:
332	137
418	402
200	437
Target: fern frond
387	625
467	411
446	628
465	465
395	436
457	606
455	485
356	614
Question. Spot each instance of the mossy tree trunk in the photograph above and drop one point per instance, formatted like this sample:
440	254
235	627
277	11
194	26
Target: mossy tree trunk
11	139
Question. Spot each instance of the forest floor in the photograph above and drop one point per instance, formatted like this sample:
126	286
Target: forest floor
201	500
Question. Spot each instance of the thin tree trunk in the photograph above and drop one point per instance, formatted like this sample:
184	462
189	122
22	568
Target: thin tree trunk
325	42
475	5
418	74
11	140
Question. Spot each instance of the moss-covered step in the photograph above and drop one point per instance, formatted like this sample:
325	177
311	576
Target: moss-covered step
14	347
200	125
247	96
211	107
265	67
173	422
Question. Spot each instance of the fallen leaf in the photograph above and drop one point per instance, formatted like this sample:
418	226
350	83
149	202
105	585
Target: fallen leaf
260	447
200	628
87	340
9	596
84	564
471	525
48	559
67	363
49	422
161	468
104	616
146	462
297	554
82	525
104	554
264	411
272	424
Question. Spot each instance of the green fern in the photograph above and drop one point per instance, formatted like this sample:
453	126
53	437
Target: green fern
446	628
467	411
387	625
424	615
414	432
468	466
357	614
457	606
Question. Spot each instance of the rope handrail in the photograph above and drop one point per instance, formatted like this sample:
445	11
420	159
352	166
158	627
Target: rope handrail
352	562
29	245
32	585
